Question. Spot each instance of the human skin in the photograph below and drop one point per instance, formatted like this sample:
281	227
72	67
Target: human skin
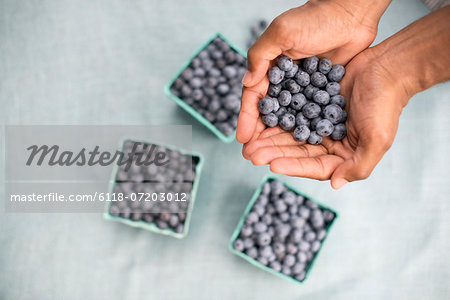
379	82
337	29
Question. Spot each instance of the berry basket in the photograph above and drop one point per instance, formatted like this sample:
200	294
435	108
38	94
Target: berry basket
298	270
141	182
227	132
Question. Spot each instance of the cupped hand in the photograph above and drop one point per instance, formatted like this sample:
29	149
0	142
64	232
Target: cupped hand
375	99
324	28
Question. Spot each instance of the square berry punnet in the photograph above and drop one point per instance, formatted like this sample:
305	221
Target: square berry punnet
141	208
304	262
193	111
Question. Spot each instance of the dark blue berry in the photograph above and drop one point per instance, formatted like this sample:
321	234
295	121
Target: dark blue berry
300	119
301	133
298	101
324	127
270	120
274	90
314	138
338	100
287	121
276	75
325	65
339	132
309	91
319	80
333	88
311	110
265	105
281	111
292	86
284	98
239	245
302	78
336	73
263	239
291	73
333	113
310	64
285	63
321	97
314	123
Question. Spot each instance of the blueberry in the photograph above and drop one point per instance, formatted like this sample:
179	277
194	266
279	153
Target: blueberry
174	220
230	72
314	138
186	91
286	270
275	266
187	74
302	78
292	86
284	98
291	111
252	252
287	121
248	243
223	88
298	101
321	97
304	246
301	133
265	189
232	102
321	234
263	239
270	120
304	212
310	64
222	115
310	236
333	113
291	73
277	187
328	215
315	246
259	210
317	219
336	73
263	260
259	227
214	72
296	235
239	245
311	110
288	197
161	224
274	90
300	277
225	128
301	257
338	100
246	231
199	72
252	218
280	206
309	91
284	217
343	116
300	199
279	249
282	230
281	111
267	219
298	268
339	132
289	260
318	79
291	248
265	105
179	228
276	104
266	251
276	75
333	88
297	222
325	65
324	127
285	63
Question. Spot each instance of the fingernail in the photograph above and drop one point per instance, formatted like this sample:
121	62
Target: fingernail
247	78
340	183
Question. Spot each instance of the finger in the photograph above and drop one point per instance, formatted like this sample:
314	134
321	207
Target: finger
260	128
320	167
361	164
249	113
265	155
261	53
282	139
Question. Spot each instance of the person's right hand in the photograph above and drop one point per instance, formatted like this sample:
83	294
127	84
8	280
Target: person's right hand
337	29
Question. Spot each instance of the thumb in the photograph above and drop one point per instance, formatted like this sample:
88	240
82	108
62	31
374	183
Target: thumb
360	165
259	56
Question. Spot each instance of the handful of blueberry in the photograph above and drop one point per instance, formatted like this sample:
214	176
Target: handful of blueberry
304	98
211	84
138	191
283	230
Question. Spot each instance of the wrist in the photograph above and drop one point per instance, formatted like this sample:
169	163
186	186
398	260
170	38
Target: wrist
417	58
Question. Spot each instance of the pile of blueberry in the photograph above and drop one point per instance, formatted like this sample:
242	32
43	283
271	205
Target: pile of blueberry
304	98
140	183
284	230
256	31
211	84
